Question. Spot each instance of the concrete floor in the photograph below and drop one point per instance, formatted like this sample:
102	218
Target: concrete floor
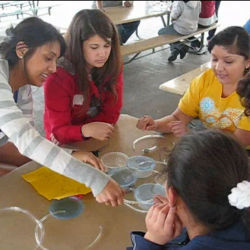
143	76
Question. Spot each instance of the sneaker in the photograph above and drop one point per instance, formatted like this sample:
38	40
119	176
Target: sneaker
196	44
173	56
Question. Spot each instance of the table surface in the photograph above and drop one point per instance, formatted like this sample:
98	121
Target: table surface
140	10
76	233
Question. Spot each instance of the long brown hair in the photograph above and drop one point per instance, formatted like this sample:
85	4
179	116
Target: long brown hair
85	24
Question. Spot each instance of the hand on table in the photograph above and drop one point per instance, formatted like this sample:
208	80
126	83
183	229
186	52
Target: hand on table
98	130
162	224
112	194
178	128
146	123
90	158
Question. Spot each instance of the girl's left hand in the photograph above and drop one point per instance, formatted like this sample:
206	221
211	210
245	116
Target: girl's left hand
162	224
178	128
90	158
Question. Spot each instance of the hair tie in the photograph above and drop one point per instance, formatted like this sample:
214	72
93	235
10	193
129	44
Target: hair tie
240	195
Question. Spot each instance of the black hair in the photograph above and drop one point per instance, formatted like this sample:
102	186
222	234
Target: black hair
203	168
34	32
234	38
243	90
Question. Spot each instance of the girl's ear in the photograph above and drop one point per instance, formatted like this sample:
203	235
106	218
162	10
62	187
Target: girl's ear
172	196
21	49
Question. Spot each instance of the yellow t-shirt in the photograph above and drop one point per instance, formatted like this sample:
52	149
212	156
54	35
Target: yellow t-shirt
203	99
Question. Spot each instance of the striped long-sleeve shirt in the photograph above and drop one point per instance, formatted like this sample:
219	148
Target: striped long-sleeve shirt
15	123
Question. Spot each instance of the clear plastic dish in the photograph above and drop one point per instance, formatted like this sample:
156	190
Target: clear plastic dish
124	177
113	160
144	194
142	165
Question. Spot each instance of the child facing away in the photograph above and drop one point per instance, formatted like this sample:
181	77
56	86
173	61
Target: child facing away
208	198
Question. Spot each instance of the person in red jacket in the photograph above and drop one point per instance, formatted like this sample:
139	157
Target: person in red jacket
83	99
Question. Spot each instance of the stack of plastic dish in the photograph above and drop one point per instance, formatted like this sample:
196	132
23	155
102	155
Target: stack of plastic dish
113	160
124	177
144	194
141	165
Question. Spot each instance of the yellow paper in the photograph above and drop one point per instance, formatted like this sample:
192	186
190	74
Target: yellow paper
52	185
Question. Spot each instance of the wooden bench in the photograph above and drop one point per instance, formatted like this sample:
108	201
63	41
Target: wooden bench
180	84
160	40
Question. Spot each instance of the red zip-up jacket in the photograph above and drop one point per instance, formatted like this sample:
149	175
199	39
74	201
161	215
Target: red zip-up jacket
66	110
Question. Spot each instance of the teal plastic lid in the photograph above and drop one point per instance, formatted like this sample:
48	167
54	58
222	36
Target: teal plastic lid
124	177
66	208
141	163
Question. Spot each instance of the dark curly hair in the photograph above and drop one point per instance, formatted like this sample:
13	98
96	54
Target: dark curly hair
243	90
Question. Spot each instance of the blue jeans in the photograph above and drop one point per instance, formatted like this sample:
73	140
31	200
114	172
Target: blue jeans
126	30
169	30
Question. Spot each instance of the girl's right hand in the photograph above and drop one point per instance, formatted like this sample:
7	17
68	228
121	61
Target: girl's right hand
146	123
112	194
162	223
98	130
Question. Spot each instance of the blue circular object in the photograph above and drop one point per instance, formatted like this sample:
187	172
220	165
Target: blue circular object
141	163
145	193
66	208
124	177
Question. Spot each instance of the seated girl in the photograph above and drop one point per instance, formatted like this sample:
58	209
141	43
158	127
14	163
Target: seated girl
83	99
212	96
207	198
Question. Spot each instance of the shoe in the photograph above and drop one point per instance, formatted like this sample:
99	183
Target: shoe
173	56
183	51
196	44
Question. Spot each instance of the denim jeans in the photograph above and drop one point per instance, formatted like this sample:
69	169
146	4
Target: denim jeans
126	30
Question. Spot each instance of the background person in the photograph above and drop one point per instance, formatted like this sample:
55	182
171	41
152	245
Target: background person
126	29
215	215
83	98
184	16
212	96
207	18
29	55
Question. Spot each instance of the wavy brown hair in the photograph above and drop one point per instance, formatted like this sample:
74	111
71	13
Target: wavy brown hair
243	90
85	24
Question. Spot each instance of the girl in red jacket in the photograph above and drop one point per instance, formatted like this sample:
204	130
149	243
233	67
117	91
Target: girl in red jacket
83	99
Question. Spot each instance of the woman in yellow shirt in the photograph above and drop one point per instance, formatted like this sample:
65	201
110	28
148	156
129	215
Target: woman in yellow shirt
212	96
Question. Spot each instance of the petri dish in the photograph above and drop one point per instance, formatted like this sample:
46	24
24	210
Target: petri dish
144	194
142	165
124	177
113	160
66	208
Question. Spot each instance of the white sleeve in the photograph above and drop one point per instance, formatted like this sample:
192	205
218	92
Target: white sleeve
29	142
177	9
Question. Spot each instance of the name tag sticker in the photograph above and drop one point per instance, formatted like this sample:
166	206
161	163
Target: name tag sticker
78	100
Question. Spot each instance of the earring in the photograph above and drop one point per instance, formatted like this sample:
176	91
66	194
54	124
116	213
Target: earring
20	57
